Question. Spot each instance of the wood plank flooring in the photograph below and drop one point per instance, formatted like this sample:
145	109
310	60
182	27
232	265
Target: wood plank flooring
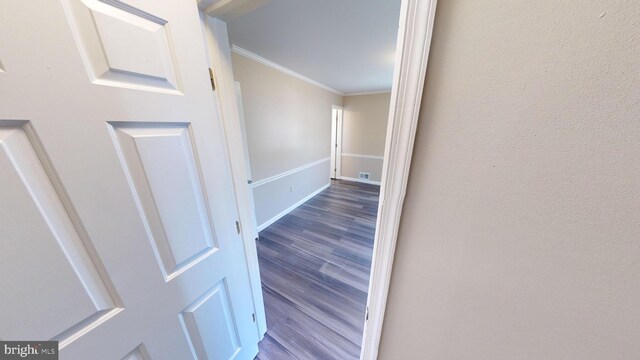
314	264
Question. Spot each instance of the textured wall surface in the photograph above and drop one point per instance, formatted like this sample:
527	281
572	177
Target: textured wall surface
288	125
364	131
288	121
520	236
365	123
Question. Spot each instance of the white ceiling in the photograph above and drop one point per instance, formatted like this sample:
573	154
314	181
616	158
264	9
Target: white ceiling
347	45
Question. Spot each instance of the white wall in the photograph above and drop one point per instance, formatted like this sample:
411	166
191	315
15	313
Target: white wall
364	129
288	126
520	236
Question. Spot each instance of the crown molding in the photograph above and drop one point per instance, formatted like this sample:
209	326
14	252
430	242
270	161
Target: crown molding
248	54
369	93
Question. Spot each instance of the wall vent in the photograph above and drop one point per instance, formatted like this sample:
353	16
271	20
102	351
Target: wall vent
364	176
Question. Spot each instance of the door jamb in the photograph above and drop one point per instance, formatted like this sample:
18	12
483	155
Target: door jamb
215	37
336	141
247	164
412	52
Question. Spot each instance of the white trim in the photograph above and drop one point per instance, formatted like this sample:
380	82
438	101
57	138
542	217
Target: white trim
360	180
372	157
336	135
339	139
412	53
216	37
368	93
291	208
336	141
248	54
287	173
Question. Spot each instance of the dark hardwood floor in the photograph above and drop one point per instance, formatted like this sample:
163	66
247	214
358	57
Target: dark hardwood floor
314	264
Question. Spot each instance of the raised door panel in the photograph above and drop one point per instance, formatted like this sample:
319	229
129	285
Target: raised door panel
132	190
161	165
124	46
209	325
51	287
139	353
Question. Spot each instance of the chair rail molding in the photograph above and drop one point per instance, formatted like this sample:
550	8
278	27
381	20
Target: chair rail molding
414	41
261	182
361	156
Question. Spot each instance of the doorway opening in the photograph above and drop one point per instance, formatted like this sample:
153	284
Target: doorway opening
316	232
408	77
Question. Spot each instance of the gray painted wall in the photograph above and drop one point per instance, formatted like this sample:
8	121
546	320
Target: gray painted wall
364	129
520	236
288	125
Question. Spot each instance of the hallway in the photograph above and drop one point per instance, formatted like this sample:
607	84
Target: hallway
314	264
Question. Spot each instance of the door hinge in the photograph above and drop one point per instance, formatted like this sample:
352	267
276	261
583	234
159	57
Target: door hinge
254	317
213	82
366	315
238	226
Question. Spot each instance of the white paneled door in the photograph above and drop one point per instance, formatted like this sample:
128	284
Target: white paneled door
118	233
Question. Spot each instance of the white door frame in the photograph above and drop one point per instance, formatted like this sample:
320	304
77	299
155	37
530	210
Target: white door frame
247	160
412	53
219	56
336	141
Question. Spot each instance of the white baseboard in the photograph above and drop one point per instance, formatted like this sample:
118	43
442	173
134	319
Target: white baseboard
291	208
360	180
